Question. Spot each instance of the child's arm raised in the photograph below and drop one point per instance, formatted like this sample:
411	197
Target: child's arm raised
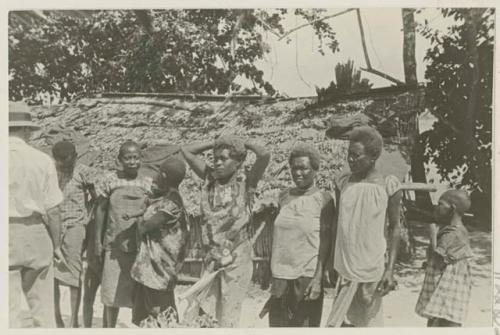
198	165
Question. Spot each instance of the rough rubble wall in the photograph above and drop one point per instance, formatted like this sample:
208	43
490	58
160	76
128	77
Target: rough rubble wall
107	122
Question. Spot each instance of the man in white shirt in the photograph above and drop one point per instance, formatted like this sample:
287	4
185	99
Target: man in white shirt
34	223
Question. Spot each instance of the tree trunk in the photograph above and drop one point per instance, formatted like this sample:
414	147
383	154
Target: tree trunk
472	20
423	199
482	174
410	65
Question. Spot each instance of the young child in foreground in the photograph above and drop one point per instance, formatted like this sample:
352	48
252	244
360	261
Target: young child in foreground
446	290
163	236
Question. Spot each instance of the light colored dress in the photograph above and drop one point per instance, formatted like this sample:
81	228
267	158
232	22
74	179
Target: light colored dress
360	248
295	249
296	236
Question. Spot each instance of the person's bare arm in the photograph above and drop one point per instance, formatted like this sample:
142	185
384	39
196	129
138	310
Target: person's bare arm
54	226
326	241
100	218
393	211
197	165
261	162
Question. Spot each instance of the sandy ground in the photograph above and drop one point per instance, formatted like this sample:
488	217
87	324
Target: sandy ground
398	305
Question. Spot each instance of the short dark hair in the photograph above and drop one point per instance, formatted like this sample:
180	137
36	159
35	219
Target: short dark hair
174	170
126	145
234	144
63	150
370	138
306	150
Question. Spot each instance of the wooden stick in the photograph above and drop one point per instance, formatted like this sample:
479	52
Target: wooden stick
418	187
312	22
383	75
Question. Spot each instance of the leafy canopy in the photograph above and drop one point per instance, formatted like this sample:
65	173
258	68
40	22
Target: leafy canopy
197	51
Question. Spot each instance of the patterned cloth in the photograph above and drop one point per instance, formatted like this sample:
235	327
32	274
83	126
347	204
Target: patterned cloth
226	213
361	243
225	209
162	251
447	284
76	186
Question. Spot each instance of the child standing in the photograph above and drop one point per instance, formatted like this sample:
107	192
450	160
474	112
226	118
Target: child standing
162	249
122	192
446	291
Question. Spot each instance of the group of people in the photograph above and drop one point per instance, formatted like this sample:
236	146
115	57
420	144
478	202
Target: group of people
134	229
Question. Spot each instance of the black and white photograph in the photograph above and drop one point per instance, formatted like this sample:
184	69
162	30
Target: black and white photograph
251	167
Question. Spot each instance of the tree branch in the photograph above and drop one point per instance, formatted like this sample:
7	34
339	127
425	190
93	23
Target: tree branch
363	41
267	27
313	22
383	75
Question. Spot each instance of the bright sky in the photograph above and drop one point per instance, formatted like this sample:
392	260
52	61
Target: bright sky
287	63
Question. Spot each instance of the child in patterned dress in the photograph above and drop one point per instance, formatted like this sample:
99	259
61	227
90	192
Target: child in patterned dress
163	237
123	191
446	290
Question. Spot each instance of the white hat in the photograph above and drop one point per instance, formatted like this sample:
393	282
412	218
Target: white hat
20	116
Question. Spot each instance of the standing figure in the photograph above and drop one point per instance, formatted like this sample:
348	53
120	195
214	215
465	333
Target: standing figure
446	291
76	181
163	234
120	193
226	206
34	242
366	198
302	239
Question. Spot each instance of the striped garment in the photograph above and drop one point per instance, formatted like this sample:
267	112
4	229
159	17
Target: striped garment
75	187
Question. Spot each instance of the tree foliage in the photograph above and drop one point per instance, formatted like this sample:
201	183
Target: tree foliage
347	80
459	94
198	51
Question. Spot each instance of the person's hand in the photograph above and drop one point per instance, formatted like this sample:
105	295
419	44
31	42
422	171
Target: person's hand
98	250
313	290
59	257
387	283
